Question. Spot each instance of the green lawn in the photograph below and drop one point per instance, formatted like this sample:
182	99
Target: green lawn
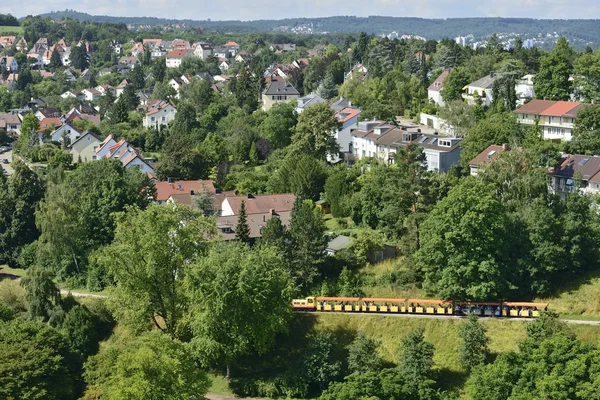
219	385
581	299
5	269
11	29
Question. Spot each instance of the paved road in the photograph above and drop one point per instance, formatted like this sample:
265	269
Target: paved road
9	157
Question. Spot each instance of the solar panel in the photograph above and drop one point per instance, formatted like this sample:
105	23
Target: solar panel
582	162
433	140
423	139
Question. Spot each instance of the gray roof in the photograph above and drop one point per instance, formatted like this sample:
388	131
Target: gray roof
340	104
339	243
487	82
280	88
310	100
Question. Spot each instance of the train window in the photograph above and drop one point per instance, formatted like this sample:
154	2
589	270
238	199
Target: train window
310	301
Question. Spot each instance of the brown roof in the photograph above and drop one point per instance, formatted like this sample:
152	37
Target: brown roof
165	189
255	223
439	82
179	53
589	166
560	108
47	122
260	204
535	107
487	155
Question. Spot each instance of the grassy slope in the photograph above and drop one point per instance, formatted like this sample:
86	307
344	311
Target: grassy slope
11	29
5	269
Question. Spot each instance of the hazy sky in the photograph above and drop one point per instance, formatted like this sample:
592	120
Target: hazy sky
276	9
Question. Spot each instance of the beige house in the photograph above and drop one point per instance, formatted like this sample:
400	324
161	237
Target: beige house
84	147
278	91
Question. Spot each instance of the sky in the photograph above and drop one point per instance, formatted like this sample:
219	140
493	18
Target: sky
278	9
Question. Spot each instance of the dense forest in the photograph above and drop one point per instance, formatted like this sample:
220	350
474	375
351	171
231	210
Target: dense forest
580	30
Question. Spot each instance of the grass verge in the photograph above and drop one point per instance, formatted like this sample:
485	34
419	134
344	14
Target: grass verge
11	29
219	385
5	269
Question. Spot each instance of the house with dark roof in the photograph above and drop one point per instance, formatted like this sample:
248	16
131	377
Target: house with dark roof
556	119
434	92
576	171
307	101
485	157
481	89
278	91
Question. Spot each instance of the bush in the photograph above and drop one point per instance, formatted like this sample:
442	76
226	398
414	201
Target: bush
12	295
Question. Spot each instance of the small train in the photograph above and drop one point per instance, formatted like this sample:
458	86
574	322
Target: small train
419	306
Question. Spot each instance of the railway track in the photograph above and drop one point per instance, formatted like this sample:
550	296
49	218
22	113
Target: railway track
450	317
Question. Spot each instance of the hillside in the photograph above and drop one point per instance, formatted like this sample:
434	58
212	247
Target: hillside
582	31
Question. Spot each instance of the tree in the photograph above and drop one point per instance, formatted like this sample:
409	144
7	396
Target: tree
385	384
274	233
226	320
362	355
24	190
552	80
137	77
303	175
465	245
416	359
79	330
185	122
315	131
35	362
79	57
161	242
242	230
199	93
307	242
328	89
473	345
181	160
55	60
159	69
130	98
586	132
205	201
338	190
120	111
454	84
278	125
29	132
319	362
42	295
151	366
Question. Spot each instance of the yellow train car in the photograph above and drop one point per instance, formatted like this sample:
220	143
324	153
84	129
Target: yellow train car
337	304
524	309
429	306
307	304
381	305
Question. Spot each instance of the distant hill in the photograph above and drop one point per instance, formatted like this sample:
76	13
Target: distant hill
582	31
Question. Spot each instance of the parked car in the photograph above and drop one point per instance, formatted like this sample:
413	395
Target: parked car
5	161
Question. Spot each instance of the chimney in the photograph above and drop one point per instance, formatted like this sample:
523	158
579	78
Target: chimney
264	218
250	196
272	211
505	146
169	180
492	74
419	130
435	133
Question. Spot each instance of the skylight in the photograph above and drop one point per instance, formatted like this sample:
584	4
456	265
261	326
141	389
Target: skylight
582	162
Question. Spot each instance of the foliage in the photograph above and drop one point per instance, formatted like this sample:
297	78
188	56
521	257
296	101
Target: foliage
79	330
242	230
150	366
416	360
362	355
304	175
315	130
552	80
465	242
161	243
278	126
473	346
384	384
454	84
42	295
307	243
35	362
586	138
239	300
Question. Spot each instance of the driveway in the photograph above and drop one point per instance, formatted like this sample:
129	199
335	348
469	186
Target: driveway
9	157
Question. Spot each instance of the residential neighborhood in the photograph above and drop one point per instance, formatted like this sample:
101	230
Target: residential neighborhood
253	208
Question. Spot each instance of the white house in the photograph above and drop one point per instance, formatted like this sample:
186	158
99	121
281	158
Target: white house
76	94
223	64
91	94
481	88
175	57
9	63
104	148
307	101
348	118
524	89
556	119
159	115
67	129
176	83
434	91
119	89
203	51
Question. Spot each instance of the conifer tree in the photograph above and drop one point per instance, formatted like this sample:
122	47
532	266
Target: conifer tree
242	230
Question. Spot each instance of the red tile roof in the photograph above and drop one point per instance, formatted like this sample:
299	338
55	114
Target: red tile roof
165	189
47	122
179	53
535	107
347	114
487	155
560	108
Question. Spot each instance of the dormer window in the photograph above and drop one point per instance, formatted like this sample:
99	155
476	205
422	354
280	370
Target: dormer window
445	143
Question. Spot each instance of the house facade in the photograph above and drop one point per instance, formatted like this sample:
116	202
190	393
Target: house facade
434	92
477	164
175	57
278	92
556	119
481	89
159	115
66	129
84	148
576	171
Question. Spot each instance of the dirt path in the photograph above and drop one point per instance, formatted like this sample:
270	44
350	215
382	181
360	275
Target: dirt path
211	396
65	292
